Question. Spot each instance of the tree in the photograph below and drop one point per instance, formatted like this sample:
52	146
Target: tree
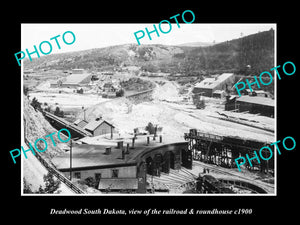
58	112
150	128
80	91
36	104
120	93
26	187
90	181
51	185
25	90
48	109
61	114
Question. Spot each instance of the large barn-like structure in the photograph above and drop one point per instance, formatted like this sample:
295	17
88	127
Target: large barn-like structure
212	85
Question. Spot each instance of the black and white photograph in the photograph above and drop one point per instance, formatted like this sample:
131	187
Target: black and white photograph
150	112
178	114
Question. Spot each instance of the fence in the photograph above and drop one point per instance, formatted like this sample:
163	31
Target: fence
56	173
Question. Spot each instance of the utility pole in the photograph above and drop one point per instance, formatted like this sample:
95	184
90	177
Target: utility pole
71	160
83	112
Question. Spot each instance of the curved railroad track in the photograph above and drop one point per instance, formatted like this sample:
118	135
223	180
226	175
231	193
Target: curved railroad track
268	187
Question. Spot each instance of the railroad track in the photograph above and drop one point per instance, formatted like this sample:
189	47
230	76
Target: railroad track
221	171
56	173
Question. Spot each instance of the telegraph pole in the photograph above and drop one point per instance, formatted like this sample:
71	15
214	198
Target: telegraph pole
83	112
71	159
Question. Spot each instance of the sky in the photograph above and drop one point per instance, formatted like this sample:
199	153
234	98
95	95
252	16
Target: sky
90	36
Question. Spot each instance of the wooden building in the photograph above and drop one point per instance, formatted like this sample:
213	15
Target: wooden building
256	104
209	85
252	104
99	127
116	168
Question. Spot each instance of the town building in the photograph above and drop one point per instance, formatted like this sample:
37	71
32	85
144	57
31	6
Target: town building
109	87
99	127
209	85
252	104
78	71
78	78
260	93
219	94
256	104
123	165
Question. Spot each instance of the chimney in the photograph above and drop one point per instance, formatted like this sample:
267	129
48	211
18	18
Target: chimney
120	144
123	153
227	98
155	131
148	140
107	150
127	149
98	118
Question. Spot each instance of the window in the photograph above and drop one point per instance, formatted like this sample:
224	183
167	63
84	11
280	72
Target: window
97	176
77	175
115	173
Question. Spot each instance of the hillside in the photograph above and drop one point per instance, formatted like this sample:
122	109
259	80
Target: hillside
256	50
196	44
38	127
112	56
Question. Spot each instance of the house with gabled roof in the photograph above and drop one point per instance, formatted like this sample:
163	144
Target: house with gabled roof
99	126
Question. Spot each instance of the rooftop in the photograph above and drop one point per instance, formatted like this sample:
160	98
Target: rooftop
211	83
78	121
76	78
92	125
256	100
219	91
118	183
92	155
78	71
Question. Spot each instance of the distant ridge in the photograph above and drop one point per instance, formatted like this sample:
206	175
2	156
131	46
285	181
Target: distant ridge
195	58
197	44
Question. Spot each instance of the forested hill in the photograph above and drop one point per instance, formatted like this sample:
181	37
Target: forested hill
256	51
247	55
